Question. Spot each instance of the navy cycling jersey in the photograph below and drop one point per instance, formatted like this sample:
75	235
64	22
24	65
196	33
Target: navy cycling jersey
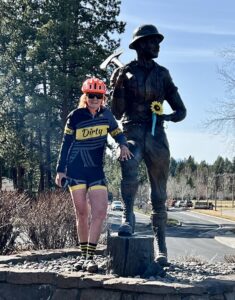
84	140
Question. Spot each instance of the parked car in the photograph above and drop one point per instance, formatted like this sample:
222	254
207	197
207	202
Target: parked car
117	205
184	203
188	203
171	202
178	203
203	205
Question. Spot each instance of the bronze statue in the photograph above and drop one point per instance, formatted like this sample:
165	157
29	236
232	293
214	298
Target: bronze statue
133	100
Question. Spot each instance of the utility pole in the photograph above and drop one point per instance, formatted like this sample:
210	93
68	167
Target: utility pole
233	175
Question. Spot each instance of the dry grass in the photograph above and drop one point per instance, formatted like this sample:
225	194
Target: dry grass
47	222
172	222
216	213
191	258
229	258
11	205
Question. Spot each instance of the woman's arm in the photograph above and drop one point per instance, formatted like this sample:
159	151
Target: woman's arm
69	133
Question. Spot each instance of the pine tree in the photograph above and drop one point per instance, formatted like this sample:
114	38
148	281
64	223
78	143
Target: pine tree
47	50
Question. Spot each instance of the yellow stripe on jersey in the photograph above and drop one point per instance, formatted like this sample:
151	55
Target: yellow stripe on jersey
91	132
67	130
115	132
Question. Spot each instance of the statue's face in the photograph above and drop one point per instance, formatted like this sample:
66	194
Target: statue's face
150	46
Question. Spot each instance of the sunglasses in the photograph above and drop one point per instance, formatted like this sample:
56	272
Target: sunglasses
92	96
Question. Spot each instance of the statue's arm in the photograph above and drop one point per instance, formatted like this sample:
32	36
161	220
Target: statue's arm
172	96
117	93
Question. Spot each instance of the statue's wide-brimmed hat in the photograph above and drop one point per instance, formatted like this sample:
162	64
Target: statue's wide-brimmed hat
144	31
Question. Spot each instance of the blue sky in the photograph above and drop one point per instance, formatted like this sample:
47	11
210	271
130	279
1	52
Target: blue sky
196	31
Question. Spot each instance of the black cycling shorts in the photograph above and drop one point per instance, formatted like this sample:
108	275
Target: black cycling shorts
91	178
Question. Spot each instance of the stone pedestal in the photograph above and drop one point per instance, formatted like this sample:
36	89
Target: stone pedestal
129	256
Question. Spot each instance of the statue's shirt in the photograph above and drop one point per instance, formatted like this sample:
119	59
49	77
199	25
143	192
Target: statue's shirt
132	101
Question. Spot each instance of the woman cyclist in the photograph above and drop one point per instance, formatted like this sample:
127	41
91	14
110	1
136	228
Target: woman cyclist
81	162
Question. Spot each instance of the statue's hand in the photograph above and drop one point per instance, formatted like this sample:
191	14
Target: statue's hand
166	118
162	118
122	76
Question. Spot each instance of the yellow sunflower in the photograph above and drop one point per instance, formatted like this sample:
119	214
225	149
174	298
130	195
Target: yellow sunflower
156	107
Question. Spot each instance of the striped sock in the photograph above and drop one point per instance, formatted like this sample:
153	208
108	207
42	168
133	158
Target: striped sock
83	247
91	250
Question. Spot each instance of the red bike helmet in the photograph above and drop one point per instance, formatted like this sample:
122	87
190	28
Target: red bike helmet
94	85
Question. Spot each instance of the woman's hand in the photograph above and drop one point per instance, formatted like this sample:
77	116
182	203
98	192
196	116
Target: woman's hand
125	153
59	177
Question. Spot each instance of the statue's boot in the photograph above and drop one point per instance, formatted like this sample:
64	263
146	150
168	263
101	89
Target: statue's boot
128	189
154	269
159	226
159	221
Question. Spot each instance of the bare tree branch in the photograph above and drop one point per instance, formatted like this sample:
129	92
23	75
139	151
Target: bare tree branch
221	118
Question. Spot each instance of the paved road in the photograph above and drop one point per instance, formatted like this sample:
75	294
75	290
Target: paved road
195	236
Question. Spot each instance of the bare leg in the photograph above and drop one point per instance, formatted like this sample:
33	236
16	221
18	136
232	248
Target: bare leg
81	212
99	203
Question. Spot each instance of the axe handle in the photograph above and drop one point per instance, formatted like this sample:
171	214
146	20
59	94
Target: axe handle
117	62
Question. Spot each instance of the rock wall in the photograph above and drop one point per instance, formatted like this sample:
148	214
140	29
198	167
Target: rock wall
33	284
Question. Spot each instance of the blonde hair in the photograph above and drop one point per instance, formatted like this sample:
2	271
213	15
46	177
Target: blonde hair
83	101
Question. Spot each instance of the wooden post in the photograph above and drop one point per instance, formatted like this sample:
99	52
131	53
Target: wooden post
129	256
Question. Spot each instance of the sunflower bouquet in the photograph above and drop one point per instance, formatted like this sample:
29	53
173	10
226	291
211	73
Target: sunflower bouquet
157	110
